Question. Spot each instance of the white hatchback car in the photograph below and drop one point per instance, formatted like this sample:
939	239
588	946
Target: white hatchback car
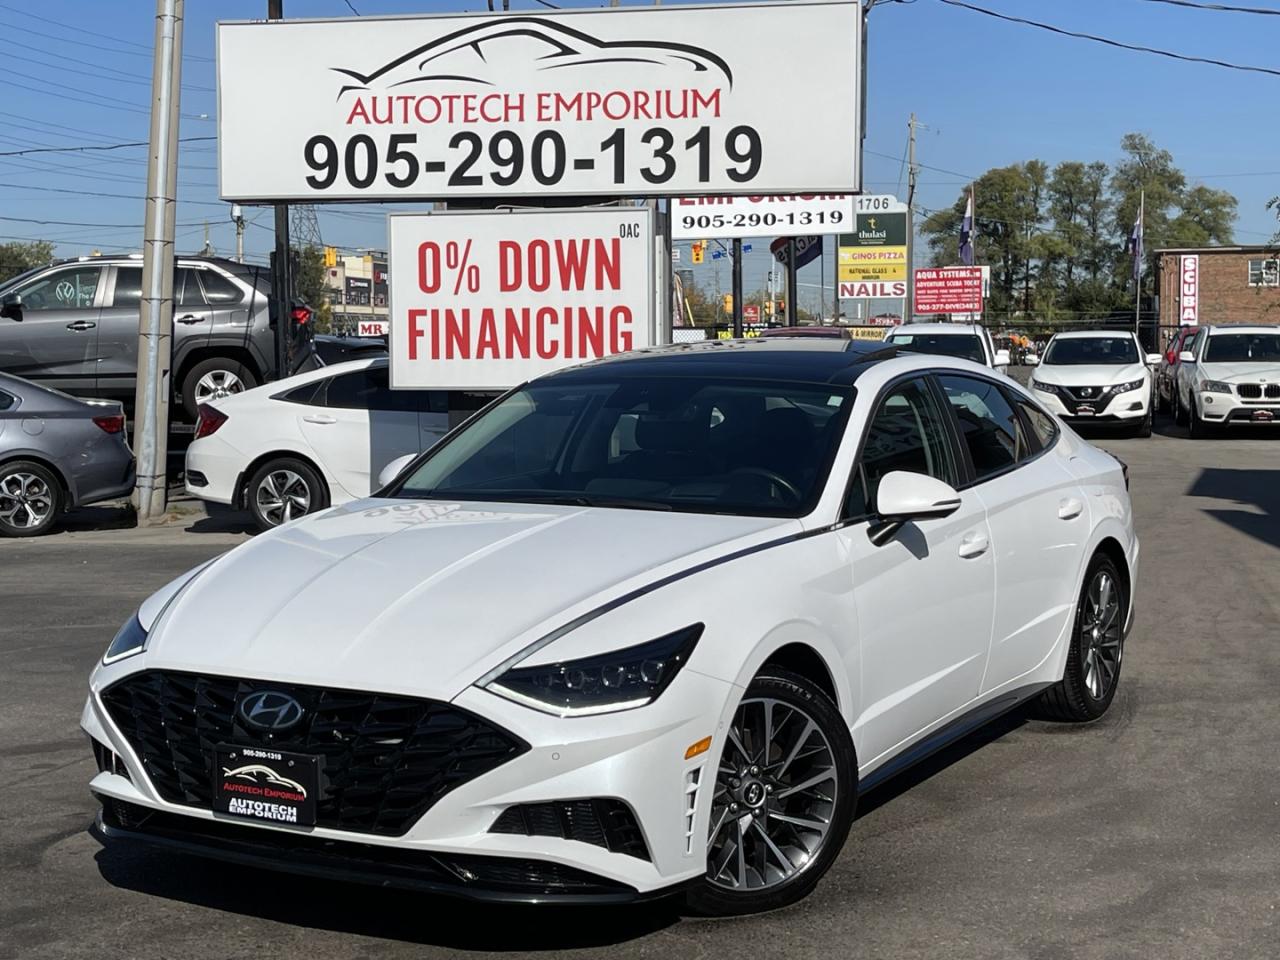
1098	377
317	439
647	625
1228	375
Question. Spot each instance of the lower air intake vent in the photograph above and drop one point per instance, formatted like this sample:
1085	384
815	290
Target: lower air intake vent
604	823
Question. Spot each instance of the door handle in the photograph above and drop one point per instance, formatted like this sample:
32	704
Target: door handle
190	318
1070	508
973	545
319	418
81	325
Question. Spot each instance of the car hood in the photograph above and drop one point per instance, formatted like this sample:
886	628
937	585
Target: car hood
1251	372
1089	375
425	597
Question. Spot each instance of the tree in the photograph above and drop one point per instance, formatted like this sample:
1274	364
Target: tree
18	257
309	285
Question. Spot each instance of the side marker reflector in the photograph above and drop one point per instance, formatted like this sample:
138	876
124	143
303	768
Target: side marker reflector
702	746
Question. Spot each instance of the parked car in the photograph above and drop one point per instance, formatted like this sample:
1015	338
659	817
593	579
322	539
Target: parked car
332	349
1228	375
1098	377
970	341
1167	373
57	453
646	625
320	438
73	325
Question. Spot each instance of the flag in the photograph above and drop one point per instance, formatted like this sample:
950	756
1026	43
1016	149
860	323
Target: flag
1135	239
966	233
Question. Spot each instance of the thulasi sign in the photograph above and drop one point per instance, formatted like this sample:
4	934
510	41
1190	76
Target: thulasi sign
644	101
488	300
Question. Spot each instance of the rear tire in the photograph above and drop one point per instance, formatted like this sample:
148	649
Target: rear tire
284	489
1092	674
767	805
31	499
213	379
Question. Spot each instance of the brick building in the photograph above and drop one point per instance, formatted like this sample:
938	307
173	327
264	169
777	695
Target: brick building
1199	285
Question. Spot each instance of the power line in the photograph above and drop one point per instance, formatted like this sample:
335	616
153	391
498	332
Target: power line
109	196
83	148
61	126
351	7
134	78
92	33
1220	7
94	103
1138	48
134	105
75	223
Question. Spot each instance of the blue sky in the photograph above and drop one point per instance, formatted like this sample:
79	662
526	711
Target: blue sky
989	92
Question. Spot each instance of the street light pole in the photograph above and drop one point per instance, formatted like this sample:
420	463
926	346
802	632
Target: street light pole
155	315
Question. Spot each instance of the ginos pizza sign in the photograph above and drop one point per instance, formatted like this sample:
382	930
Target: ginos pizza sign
489	300
1189	291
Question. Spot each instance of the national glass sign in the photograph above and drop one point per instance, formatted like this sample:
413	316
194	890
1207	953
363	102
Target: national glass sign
646	101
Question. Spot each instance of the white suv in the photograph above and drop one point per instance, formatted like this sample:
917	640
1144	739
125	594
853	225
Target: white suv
1228	375
970	341
1097	376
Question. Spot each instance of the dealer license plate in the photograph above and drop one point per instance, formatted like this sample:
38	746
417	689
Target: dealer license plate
1266	416
1084	410
264	784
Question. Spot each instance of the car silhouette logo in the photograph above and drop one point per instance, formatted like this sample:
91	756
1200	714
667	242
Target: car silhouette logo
270	710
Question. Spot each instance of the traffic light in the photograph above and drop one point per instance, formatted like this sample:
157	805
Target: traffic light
728	303
698	250
330	256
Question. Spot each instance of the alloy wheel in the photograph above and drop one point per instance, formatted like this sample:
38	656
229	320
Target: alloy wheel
1101	635
281	496
217	384
26	501
775	797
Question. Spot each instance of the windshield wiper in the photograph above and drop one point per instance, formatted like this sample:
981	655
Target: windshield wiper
585	500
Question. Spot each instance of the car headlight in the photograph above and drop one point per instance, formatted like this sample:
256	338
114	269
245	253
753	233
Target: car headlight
618	680
1126	387
1214	386
1042	387
129	639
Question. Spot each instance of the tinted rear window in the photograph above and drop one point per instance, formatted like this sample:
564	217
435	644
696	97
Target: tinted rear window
965	346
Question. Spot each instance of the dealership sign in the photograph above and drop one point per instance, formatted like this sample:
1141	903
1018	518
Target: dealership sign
788	215
948	290
488	300
646	101
1189	290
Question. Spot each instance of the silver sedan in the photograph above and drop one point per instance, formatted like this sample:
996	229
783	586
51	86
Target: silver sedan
56	453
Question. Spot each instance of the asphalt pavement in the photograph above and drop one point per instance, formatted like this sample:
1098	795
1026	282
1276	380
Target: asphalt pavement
1152	833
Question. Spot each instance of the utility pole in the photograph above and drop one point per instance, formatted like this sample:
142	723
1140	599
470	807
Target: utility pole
281	259
910	310
792	285
155	314
737	288
237	217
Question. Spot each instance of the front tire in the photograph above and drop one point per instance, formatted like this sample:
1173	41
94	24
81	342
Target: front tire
31	499
1097	648
1179	411
784	799
284	489
1196	427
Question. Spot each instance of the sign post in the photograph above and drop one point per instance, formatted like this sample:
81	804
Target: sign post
489	299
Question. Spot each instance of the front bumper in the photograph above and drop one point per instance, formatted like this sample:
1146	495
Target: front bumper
636	756
1124	408
1234	410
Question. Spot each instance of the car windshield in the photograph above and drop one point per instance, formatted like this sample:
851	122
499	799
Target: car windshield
1243	347
1079	351
967	346
749	447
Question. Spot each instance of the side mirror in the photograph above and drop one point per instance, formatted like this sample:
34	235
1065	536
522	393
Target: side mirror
11	307
392	469
1153	359
1186	356
1002	358
904	496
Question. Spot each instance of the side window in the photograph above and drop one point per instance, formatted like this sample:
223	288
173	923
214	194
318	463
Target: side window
1042	425
71	289
907	433
369	390
128	292
7	400
989	426
218	290
305	394
186	289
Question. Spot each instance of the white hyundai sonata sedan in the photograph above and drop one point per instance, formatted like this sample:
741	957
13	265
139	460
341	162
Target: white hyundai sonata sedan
645	626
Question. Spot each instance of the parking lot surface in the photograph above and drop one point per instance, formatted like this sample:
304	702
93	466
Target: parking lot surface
1152	833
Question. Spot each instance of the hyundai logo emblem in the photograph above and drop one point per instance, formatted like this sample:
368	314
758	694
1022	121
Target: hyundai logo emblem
270	710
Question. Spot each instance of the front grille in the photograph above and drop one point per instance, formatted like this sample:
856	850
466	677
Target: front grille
1250	391
604	823
384	759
